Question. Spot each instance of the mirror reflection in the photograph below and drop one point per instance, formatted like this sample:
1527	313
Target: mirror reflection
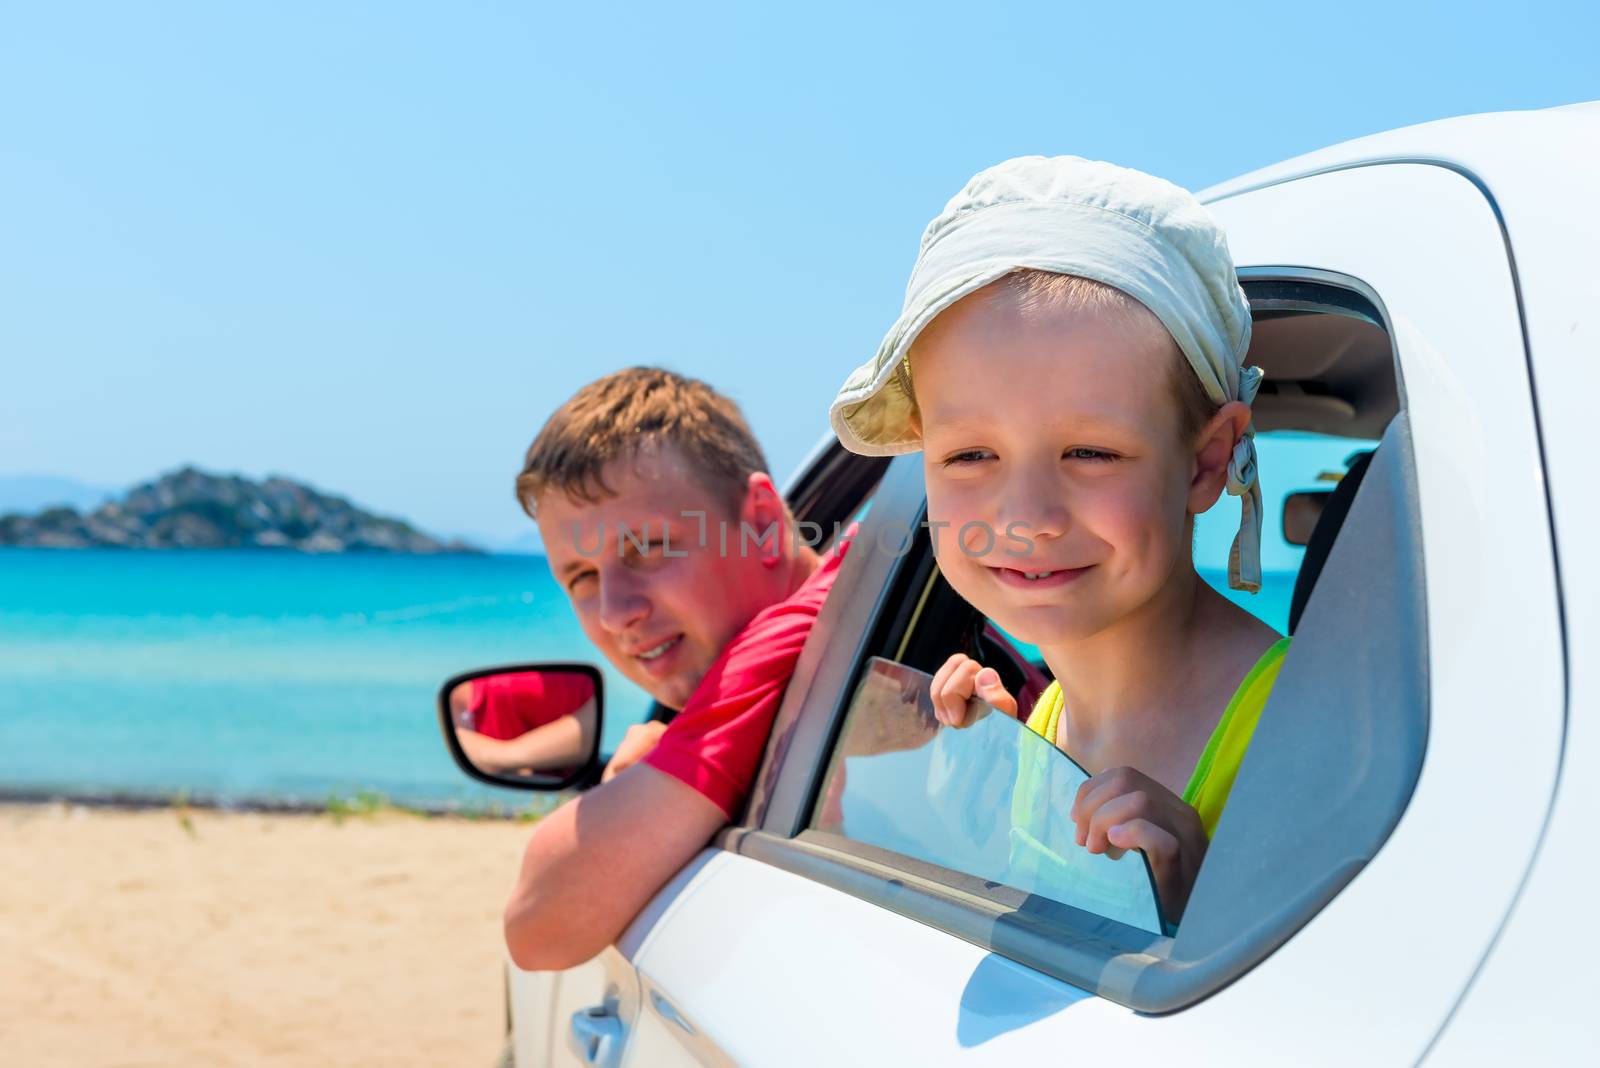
530	725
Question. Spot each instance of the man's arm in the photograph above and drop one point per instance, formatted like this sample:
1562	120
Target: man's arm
596	861
593	863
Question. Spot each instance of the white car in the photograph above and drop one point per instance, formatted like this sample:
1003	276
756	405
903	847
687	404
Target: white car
1404	870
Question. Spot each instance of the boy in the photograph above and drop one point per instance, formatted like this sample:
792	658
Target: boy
631	482
1069	361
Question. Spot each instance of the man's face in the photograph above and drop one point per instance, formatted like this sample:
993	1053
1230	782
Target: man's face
661	618
1077	448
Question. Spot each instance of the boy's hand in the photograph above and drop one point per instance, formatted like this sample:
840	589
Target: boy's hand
957	681
640	739
1124	809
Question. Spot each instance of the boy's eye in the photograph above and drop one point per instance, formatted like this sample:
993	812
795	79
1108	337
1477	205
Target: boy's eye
967	456
1092	455
580	583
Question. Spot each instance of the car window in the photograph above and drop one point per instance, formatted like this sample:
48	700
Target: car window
820	539
1292	464
960	800
883	809
984	800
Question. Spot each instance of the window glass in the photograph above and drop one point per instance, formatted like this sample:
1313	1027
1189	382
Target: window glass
985	800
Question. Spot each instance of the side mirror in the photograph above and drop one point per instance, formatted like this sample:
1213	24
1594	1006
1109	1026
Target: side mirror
528	726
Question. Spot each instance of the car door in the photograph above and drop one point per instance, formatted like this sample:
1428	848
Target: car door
1435	615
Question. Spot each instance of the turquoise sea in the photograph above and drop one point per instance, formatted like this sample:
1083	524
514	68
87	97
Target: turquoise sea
247	675
264	676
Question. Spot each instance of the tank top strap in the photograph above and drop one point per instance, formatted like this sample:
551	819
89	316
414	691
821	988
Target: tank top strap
1212	780
1045	719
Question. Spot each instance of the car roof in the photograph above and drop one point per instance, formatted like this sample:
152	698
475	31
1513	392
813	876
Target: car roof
1484	143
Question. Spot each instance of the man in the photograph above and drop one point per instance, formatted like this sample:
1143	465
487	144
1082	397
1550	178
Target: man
682	563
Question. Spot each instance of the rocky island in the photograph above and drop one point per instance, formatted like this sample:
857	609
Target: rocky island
192	509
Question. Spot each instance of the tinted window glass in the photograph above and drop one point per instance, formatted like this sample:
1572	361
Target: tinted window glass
988	800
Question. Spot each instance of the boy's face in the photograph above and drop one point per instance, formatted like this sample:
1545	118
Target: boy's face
1055	428
659	617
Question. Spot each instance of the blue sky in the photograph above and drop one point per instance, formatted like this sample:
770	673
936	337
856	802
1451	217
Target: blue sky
374	245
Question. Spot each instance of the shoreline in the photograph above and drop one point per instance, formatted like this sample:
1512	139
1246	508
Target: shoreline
365	802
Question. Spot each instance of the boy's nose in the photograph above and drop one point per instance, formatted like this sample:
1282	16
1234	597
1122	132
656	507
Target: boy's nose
1036	507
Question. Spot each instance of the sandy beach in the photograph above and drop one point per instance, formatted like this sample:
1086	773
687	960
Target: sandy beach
168	936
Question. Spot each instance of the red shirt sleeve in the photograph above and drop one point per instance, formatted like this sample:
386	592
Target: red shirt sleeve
716	742
508	706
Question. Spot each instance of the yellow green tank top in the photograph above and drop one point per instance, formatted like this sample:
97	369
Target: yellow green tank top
1213	776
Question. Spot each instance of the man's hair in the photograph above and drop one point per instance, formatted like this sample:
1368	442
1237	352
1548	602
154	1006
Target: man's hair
1037	290
618	416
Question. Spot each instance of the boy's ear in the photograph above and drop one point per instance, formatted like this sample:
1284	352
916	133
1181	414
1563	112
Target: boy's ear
1212	450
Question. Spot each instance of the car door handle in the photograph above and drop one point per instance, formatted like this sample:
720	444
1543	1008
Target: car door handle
668	1012
595	1036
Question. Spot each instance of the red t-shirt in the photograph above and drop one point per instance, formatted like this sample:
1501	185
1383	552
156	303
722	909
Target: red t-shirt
716	742
509	706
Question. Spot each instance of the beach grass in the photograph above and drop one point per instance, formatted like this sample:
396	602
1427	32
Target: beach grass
362	804
368	804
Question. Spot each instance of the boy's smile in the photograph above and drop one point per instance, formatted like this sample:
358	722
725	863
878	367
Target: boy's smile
1051	443
1029	579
